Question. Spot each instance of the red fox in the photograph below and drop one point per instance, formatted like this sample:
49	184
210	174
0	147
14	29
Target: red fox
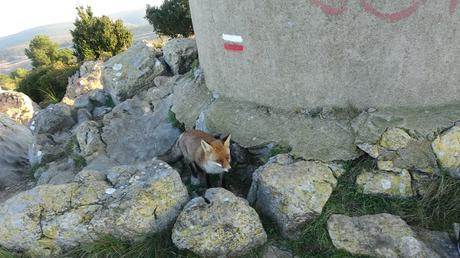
201	150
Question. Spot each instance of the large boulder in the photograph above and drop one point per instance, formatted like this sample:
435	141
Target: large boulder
132	71
380	235
219	224
86	80
14	142
18	106
133	201
163	87
190	97
54	118
50	147
291	192
133	132
180	54
394	184
447	149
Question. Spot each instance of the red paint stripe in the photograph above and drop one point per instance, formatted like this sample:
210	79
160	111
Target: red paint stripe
234	47
329	10
392	17
453	6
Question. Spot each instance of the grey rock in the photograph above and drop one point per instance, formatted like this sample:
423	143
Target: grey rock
18	106
54	118
14	142
190	97
180	54
417	155
100	112
83	115
163	87
273	251
49	219
89	139
49	147
96	169
218	225
311	138
132	71
380	235
127	142
83	102
99	98
291	193
57	172
439	242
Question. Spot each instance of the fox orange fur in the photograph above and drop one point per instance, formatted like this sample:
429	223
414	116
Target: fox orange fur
201	150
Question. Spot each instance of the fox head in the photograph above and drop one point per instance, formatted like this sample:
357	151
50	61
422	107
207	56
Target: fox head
217	156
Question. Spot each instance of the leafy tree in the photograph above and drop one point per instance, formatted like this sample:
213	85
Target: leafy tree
172	18
42	51
98	37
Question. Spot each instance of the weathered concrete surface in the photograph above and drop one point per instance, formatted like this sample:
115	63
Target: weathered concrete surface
325	139
306	54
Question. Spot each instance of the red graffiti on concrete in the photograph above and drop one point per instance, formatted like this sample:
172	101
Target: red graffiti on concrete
329	10
369	8
453	6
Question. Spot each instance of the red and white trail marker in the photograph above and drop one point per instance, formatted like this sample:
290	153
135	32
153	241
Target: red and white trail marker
233	43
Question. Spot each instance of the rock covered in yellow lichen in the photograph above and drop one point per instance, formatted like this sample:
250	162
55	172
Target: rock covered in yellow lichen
447	149
137	200
291	192
218	225
396	184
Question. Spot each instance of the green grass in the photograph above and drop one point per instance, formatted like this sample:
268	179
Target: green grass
173	120
109	102
279	149
154	246
5	253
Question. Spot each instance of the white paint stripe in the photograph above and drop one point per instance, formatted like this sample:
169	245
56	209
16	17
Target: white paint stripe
232	38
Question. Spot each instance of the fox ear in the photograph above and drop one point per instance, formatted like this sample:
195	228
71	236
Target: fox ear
206	147
227	140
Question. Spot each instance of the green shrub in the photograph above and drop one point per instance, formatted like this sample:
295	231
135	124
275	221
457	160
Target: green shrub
47	84
98	37
171	19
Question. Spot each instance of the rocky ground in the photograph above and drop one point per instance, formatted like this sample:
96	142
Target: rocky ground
81	178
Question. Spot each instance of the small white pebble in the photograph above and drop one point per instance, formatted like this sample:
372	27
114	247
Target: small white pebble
117	67
110	190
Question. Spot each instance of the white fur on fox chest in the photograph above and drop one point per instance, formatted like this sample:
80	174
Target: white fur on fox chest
211	167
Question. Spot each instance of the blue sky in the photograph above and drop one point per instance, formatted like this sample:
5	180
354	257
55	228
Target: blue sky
18	15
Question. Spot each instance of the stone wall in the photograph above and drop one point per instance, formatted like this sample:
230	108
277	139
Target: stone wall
319	53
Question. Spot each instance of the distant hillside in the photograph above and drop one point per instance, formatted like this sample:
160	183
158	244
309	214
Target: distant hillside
12	46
